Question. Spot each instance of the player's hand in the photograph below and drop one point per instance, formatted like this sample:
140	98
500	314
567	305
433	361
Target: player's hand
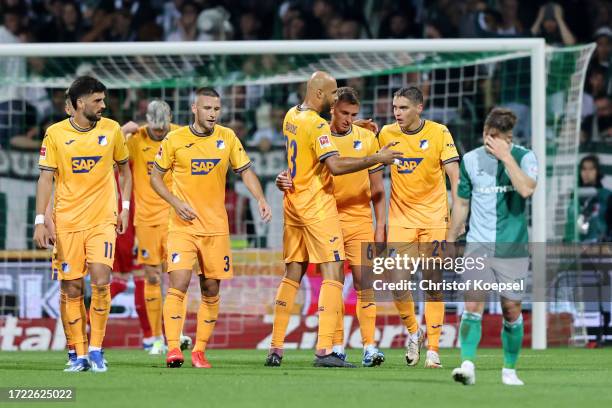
367	124
380	239
498	147
387	156
129	128
122	221
283	181
42	237
51	228
184	211
265	212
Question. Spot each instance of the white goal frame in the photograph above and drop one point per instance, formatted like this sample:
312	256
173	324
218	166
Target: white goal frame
535	48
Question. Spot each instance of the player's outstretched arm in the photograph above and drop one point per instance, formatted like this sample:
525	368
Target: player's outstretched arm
283	181
157	183
377	192
129	128
250	180
461	208
342	165
125	183
42	236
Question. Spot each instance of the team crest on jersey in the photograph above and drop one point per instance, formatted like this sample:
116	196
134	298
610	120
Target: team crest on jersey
65	267
144	253
324	141
357	145
175	257
102	141
407	165
201	167
424	144
84	164
220	144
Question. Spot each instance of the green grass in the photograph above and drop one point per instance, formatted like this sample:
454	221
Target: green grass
556	377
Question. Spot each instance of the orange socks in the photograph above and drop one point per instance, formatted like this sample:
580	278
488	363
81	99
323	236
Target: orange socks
405	307
98	313
76	320
207	317
283	305
366	314
153	303
338	339
330	309
434	317
174	316
64	317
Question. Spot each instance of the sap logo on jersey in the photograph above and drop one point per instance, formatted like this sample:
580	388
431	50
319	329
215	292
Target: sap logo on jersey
407	165
201	167
84	164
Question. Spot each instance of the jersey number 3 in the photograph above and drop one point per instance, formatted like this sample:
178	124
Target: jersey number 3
291	155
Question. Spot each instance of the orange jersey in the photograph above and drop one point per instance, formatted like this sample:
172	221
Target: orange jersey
352	190
308	142
199	166
83	160
418	184
151	209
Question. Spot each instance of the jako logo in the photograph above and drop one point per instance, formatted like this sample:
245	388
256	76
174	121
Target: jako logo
408	165
200	167
84	164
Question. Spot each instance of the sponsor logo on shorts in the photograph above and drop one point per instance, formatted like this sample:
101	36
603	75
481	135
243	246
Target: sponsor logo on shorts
201	167
84	164
175	257
102	141
407	165
65	267
144	253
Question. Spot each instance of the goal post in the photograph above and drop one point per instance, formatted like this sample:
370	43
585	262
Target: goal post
172	70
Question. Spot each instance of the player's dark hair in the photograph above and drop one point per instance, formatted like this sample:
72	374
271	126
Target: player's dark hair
412	93
348	95
84	85
207	91
501	119
595	160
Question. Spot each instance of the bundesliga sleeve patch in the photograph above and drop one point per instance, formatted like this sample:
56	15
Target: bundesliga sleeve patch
324	141
159	153
43	152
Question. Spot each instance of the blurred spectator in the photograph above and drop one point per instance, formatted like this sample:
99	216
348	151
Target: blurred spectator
600	15
239	127
70	28
333	29
101	22
398	25
551	25
250	27
150	32
594	87
121	29
594	205
350	30
510	23
170	16
214	25
269	132
602	56
186	29
598	127
324	11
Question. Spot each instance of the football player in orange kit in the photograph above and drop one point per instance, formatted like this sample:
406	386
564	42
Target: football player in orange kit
198	157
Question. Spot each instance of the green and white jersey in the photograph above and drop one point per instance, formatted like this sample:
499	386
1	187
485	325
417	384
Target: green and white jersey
497	210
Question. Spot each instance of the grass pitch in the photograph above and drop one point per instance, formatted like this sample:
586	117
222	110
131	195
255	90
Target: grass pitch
555	377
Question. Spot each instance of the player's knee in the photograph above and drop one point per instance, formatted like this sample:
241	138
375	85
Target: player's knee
72	288
209	287
511	310
153	279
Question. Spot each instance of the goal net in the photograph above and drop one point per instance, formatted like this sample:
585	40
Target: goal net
461	80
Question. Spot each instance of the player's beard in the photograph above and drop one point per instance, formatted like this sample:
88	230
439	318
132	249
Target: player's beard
325	108
204	125
92	116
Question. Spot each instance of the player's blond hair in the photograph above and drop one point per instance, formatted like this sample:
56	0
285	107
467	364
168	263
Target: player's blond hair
159	114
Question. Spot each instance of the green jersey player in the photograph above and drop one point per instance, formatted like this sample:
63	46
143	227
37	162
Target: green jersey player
496	180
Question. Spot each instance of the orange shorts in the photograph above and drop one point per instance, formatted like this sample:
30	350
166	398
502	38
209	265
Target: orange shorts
356	236
315	243
74	250
212	252
152	244
427	242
